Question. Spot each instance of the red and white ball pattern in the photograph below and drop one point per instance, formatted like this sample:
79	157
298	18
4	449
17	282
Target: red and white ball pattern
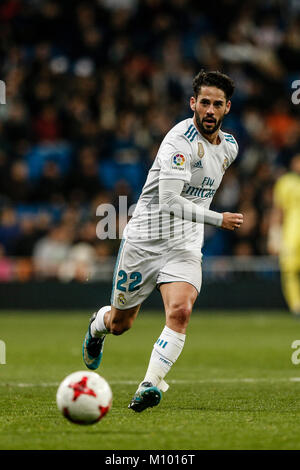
84	397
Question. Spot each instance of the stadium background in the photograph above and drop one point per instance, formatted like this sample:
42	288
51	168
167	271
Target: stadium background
91	89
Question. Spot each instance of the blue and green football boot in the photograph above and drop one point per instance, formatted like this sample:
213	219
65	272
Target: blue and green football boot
92	348
146	396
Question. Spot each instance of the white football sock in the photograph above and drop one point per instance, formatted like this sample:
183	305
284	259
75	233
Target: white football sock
165	352
98	327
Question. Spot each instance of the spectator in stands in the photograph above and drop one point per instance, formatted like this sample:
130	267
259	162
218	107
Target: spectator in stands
50	187
51	251
6	266
28	237
9	229
84	180
17	184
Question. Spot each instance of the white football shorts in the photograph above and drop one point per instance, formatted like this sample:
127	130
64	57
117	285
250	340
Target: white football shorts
138	271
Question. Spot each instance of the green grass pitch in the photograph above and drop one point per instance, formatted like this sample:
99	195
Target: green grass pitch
233	387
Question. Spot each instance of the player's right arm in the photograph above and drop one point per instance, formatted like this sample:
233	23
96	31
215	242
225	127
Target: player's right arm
170	200
175	162
231	221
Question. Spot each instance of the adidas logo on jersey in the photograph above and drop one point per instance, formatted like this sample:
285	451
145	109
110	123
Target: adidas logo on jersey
198	164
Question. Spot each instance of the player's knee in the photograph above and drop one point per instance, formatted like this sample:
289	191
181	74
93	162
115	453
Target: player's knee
118	328
179	313
117	331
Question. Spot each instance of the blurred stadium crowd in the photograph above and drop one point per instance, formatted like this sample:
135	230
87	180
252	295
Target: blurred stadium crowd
93	86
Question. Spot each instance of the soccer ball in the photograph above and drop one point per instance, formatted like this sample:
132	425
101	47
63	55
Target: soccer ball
84	397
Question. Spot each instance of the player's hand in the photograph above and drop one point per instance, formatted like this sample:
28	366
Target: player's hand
232	221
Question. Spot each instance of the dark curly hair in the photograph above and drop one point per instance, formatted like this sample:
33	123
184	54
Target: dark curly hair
215	78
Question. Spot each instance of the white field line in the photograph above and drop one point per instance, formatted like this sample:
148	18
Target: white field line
176	382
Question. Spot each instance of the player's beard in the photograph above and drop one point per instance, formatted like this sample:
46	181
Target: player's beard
203	129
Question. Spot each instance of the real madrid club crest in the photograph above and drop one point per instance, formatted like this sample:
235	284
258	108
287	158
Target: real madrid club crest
121	299
200	150
225	164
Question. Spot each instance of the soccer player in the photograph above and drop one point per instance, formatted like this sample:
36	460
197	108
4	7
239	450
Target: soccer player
162	242
284	233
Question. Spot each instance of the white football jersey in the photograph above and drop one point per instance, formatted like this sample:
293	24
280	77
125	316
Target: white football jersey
186	155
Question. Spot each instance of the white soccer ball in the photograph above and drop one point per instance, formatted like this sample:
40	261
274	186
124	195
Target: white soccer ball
84	397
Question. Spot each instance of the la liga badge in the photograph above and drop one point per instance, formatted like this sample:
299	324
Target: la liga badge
178	161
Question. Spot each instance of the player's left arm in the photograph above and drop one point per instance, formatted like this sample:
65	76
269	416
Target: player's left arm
232	149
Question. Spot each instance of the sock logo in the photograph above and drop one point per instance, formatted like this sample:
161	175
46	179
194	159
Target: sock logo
160	343
166	362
